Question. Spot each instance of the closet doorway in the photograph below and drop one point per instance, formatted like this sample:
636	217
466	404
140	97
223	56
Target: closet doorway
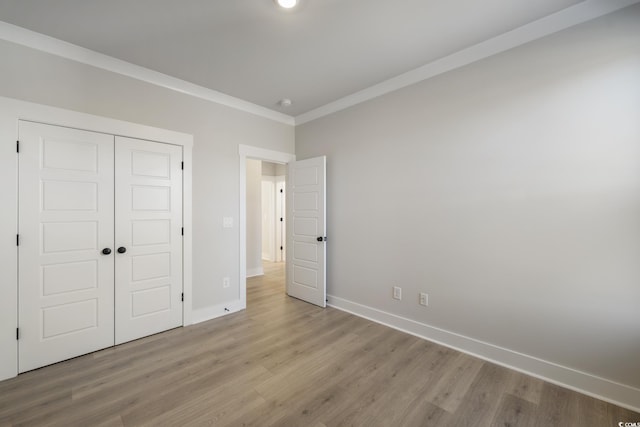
100	241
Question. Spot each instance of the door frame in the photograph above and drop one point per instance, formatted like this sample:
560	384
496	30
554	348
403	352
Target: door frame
12	110
281	212
250	152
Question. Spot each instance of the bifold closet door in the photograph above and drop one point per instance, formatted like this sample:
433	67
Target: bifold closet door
148	256
65	280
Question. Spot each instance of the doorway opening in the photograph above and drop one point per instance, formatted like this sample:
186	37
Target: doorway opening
273	204
266	225
248	172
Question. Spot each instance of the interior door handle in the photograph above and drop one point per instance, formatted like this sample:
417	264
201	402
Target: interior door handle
321	239
122	250
106	251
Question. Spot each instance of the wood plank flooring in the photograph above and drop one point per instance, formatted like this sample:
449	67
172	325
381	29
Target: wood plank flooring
283	362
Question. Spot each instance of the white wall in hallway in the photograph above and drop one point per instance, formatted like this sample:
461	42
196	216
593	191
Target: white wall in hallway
254	217
268	218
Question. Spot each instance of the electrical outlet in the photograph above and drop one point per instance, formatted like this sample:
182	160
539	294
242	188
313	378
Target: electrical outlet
397	292
424	299
227	222
226	282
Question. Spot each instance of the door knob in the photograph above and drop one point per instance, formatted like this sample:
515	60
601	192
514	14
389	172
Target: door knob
122	250
106	251
321	239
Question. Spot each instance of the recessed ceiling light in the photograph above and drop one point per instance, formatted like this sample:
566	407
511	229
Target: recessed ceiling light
285	102
287	4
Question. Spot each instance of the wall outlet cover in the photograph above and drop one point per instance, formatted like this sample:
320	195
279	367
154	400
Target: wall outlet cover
424	299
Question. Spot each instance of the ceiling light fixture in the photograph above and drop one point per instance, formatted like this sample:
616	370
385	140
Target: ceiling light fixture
287	4
285	102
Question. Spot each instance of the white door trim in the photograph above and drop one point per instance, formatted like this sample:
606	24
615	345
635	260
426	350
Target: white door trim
249	152
12	110
281	234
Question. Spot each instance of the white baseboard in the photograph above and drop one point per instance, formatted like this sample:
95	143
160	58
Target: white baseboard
200	315
252	272
582	382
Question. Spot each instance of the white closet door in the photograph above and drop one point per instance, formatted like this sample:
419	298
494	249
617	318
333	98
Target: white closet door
148	208
66	220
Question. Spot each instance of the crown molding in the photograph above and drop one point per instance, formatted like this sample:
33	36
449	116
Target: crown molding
28	38
569	17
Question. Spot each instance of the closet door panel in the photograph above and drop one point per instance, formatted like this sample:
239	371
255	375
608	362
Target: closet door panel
148	229
66	283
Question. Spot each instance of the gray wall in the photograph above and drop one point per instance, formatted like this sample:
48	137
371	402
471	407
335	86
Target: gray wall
510	192
38	77
281	170
273	169
268	169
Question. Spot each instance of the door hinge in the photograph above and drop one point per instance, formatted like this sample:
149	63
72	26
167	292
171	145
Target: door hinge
17	333
17	240
281	219
182	297
183	231
281	248
281	190
17	146
182	165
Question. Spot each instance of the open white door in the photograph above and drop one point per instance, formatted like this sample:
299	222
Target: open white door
306	213
66	256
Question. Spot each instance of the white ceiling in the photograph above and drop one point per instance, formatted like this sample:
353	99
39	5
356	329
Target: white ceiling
321	52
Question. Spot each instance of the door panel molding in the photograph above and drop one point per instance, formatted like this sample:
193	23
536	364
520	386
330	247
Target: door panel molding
148	283
61	318
306	230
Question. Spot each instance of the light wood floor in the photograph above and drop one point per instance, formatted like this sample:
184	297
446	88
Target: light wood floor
284	362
